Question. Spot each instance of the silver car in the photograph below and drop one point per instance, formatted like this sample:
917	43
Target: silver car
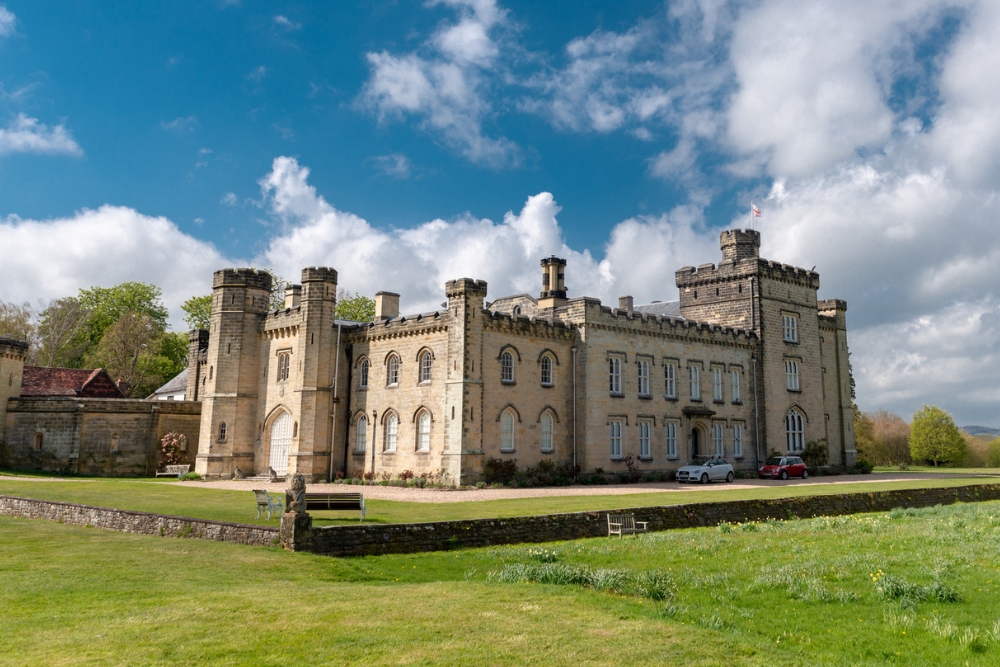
705	469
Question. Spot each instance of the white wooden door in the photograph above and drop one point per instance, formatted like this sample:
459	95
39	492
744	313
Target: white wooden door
281	442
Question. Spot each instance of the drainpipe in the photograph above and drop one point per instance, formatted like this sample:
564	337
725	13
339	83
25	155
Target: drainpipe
333	426
374	438
573	352
756	414
349	352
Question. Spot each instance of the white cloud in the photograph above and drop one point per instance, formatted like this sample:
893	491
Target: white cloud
28	135
7	22
180	125
395	165
229	199
286	23
258	74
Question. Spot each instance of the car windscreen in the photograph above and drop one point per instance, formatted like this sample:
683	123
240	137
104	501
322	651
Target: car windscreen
774	461
699	461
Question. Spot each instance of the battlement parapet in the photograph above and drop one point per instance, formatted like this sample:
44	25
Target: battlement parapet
242	278
739	244
829	306
617	318
531	325
464	286
12	348
315	274
689	276
406	325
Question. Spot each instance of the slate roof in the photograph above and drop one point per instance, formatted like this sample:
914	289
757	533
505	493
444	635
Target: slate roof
661	308
178	385
42	381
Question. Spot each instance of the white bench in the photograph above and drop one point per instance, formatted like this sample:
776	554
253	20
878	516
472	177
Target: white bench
179	471
625	524
267	503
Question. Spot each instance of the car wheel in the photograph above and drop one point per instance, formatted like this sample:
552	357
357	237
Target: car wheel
730	477
805	474
704	478
784	474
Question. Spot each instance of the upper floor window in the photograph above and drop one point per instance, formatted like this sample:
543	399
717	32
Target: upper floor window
547	371
790	328
737	441
222	432
734	376
361	433
644	378
671	429
425	367
791	375
720	449
794	433
506	431
695	382
284	366
670	379
615	375
506	367
546	432
424	432
616	439
363	375
392	372
717	384
391	431
644	449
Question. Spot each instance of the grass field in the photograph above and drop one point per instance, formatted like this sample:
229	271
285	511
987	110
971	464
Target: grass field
168	497
941	470
911	587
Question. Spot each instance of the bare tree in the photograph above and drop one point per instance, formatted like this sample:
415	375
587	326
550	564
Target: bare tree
17	321
128	348
62	332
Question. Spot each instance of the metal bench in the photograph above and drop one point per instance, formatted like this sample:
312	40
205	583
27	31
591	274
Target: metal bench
267	503
625	524
336	501
179	471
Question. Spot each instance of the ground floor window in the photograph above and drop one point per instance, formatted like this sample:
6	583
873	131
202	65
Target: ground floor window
737	441
720	448
616	439
546	432
794	431
506	432
671	440
644	450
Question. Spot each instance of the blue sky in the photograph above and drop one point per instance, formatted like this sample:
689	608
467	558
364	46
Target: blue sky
406	143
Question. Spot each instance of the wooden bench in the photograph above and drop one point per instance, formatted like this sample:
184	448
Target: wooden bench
267	503
336	501
625	524
180	471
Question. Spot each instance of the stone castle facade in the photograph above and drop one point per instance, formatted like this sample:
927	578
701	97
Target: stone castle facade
748	361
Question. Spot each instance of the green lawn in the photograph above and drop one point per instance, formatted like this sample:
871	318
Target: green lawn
778	593
169	497
941	470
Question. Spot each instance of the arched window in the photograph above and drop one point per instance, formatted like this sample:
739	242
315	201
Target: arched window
547	371
392	374
363	375
425	367
794	431
284	366
506	432
546	431
424	432
222	432
391	431
361	434
506	367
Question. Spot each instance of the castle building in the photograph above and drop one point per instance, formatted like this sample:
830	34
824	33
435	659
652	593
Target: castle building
746	362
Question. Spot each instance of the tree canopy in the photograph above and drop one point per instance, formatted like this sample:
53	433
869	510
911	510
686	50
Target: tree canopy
108	304
198	311
934	437
357	308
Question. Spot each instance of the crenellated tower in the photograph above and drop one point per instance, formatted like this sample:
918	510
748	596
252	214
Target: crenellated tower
463	442
12	355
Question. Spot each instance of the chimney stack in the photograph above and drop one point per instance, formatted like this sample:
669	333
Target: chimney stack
625	303
386	306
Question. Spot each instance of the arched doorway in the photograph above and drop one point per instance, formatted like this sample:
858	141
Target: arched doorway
281	442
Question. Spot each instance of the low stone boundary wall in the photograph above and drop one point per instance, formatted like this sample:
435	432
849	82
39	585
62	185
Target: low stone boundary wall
126	521
372	539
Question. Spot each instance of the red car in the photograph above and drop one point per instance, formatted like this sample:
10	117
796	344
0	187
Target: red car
783	467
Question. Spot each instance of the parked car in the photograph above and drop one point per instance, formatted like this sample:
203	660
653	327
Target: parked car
783	467
705	469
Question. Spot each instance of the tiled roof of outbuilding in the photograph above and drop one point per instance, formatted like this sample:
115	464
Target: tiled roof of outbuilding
661	308
42	381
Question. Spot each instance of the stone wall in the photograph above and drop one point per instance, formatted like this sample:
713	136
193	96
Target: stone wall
373	539
124	521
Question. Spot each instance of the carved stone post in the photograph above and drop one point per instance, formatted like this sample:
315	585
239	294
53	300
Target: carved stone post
295	533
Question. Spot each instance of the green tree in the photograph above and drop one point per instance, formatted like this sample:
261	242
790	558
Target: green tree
62	332
993	453
357	308
127	350
278	285
198	311
108	304
864	433
934	437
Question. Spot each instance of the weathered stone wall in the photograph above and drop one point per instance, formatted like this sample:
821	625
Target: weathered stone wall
12	353
371	539
124	521
96	436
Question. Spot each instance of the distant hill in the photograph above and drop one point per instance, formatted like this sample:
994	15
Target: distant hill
981	430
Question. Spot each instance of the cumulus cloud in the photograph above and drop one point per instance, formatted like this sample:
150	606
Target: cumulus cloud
28	135
394	165
7	22
286	23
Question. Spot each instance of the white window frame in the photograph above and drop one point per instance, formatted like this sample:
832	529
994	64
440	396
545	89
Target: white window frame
734	376
792	375
794	431
645	451
363	375
790	328
644	378
615	375
546	371
426	365
737	441
718	443
392	371
506	431
670	379
671	433
615	438
717	394
507	367
391	432
361	434
694	372
424	431
546	431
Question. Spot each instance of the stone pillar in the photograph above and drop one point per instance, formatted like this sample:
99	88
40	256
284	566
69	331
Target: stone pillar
463	454
12	354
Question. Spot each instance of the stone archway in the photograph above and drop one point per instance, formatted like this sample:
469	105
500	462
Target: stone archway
280	443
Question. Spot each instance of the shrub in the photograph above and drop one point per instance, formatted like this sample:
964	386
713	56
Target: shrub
500	470
816	453
189	476
406	475
420	482
170	450
934	437
480	485
861	467
993	453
